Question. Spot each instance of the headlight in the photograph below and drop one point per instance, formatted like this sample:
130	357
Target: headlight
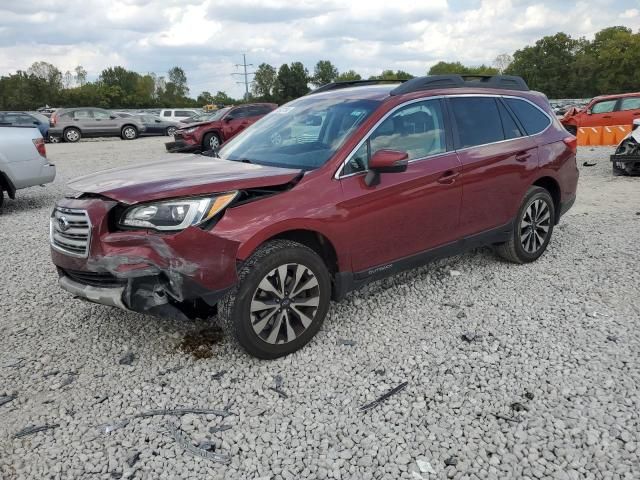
190	130
173	215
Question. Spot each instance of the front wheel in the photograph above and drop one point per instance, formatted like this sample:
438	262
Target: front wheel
129	133
211	141
280	300
532	228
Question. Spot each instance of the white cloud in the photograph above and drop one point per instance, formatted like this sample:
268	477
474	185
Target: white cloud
207	37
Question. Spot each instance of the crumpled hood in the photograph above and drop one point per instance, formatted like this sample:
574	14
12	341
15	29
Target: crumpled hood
180	175
198	124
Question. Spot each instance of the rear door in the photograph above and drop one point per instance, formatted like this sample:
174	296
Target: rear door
83	119
408	212
497	158
629	110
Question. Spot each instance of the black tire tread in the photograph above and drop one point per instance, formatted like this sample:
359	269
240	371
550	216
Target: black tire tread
507	250
227	304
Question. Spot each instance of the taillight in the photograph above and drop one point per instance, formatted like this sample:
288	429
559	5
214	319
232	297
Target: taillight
39	143
572	143
52	120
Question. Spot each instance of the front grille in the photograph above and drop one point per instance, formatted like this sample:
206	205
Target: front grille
70	231
94	279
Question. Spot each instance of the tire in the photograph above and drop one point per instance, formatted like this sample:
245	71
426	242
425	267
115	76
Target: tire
1	198
572	129
71	135
129	132
170	131
523	246
211	141
277	329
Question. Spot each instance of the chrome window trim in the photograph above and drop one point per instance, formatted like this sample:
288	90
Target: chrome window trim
338	176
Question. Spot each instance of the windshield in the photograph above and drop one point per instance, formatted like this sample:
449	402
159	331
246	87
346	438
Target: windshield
302	134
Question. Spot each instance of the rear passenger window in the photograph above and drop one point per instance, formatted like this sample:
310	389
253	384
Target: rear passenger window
509	125
183	113
531	118
478	120
631	103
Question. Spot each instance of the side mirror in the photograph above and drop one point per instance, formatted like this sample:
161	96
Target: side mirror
228	118
385	161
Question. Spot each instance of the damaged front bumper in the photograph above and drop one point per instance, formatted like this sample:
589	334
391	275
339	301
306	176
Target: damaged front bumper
180	146
626	164
178	275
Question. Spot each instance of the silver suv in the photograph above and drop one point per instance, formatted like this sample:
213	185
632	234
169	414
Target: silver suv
71	124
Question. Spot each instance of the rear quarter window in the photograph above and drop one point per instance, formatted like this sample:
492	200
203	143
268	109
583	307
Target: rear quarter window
183	113
531	118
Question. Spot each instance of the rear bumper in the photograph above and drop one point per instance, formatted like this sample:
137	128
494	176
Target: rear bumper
626	164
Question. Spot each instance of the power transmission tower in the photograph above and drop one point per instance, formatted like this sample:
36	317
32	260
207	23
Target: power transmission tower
246	74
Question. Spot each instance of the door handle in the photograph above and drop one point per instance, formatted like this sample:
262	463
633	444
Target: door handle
606	116
448	177
522	156
635	114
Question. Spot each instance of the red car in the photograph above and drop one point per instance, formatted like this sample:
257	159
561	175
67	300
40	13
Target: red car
346	185
223	125
604	111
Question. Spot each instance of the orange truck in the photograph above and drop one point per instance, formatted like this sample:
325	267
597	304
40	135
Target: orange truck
605	120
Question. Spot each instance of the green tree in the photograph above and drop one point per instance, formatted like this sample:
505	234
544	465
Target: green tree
205	98
291	82
448	68
323	73
264	82
179	79
80	76
548	65
347	76
391	75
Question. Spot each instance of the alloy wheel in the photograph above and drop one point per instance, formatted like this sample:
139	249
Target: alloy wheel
72	135
534	227
214	142
285	303
130	133
171	131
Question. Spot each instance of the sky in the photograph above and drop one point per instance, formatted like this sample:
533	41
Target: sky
208	37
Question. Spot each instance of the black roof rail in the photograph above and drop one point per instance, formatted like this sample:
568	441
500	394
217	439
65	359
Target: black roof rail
350	83
432	82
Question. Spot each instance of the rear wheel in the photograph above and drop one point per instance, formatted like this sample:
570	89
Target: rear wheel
280	300
72	135
171	131
211	141
129	132
532	228
1	198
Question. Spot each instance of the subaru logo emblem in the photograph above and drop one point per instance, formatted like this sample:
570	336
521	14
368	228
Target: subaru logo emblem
63	224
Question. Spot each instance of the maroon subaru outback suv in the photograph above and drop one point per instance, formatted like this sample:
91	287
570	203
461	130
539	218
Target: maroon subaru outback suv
220	127
346	185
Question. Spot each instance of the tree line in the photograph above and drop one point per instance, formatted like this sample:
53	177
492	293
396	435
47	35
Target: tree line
557	65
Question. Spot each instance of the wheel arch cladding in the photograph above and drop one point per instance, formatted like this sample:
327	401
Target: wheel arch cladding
551	185
313	239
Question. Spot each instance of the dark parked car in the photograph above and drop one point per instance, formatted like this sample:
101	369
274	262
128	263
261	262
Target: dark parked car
331	191
223	125
26	118
71	124
157	126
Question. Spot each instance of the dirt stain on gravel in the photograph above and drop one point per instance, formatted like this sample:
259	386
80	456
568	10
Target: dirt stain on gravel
199	344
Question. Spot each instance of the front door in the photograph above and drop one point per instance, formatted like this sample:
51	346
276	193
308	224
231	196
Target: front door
409	212
600	114
104	124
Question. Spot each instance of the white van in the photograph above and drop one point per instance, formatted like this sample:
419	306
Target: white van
177	113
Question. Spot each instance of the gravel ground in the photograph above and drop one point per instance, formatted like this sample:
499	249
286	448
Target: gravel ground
544	384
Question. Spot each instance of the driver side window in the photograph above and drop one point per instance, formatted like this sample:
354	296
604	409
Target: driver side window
417	129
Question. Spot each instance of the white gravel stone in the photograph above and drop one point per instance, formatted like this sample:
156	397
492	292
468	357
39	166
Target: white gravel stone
541	328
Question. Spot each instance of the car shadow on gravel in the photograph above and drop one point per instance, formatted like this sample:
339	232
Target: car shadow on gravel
25	203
